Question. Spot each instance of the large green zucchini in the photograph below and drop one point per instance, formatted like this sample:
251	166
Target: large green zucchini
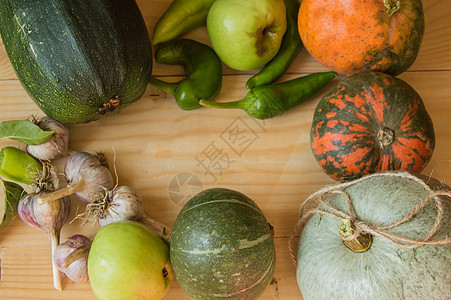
78	59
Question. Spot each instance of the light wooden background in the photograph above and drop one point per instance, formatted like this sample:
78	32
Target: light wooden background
157	143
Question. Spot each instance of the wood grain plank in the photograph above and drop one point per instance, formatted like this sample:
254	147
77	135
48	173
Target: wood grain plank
435	51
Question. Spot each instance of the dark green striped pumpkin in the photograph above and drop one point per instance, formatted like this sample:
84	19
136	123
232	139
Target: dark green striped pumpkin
78	60
371	122
222	247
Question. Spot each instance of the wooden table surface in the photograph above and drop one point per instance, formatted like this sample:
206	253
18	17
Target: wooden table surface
169	154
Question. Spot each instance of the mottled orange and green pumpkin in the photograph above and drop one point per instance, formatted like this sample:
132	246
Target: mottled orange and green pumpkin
351	36
371	122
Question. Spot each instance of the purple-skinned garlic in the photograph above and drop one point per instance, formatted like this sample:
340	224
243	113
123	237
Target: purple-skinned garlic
87	176
48	217
71	257
123	203
57	146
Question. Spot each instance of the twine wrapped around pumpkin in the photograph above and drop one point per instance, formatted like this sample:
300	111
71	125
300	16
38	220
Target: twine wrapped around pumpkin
362	227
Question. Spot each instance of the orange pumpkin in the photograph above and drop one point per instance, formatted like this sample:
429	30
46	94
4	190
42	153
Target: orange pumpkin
351	36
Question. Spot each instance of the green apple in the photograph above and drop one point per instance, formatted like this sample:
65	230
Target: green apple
128	260
246	34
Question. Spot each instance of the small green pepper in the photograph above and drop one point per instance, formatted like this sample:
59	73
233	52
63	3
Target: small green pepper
290	47
202	67
181	17
17	165
267	101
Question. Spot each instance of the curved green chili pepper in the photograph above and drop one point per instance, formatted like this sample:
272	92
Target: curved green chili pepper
181	17
18	165
290	47
267	101
202	67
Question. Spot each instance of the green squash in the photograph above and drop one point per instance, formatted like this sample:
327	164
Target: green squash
78	60
328	269
222	247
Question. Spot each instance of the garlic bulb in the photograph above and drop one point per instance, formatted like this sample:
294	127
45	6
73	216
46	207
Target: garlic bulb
87	177
48	217
90	175
58	144
123	203
71	257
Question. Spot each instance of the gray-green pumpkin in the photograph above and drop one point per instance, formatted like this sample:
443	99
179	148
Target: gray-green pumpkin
328	269
222	247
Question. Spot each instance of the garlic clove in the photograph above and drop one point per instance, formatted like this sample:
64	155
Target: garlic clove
71	257
26	212
78	270
58	144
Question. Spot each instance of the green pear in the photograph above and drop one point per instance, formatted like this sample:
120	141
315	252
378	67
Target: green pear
246	34
128	260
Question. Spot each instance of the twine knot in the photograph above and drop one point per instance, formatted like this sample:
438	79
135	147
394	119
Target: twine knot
352	228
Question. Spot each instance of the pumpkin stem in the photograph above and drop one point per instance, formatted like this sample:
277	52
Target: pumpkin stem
392	6
386	136
356	241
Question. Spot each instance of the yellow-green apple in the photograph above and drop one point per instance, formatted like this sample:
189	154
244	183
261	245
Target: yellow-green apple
246	34
128	260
